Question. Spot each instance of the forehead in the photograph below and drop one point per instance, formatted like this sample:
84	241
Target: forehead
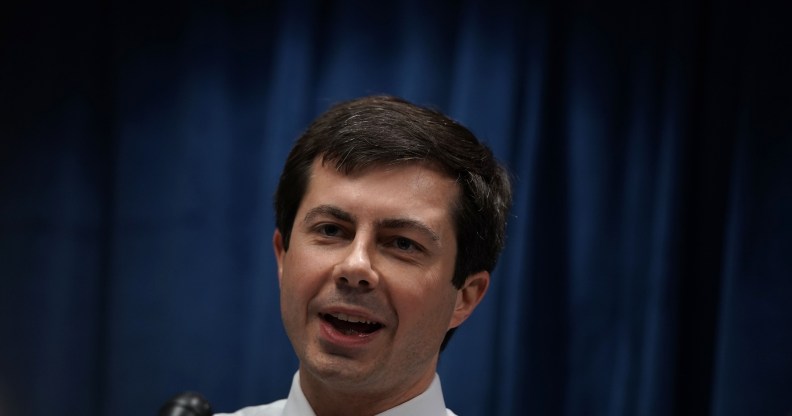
407	188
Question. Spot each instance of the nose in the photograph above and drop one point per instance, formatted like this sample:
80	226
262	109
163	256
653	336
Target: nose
355	268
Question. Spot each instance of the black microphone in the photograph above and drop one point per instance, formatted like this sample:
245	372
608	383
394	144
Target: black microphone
186	404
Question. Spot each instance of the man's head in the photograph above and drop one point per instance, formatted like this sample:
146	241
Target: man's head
390	218
385	130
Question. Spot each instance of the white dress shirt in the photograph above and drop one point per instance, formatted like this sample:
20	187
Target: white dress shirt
428	403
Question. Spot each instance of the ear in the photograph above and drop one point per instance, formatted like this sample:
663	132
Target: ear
469	296
277	245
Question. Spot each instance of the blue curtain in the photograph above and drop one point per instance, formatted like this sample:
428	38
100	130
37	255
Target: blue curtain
648	267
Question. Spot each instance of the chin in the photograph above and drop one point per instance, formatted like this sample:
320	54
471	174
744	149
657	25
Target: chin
339	371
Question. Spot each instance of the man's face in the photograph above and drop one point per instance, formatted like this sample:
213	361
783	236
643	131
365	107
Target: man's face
366	292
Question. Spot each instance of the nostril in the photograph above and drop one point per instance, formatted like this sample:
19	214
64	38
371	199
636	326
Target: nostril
354	282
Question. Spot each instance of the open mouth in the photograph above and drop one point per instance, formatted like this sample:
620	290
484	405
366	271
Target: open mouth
351	325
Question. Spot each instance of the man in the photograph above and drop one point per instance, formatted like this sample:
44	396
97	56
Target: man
390	219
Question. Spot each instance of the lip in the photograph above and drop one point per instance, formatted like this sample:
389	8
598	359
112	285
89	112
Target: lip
335	338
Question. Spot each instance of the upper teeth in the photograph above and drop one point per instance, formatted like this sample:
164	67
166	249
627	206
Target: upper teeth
350	318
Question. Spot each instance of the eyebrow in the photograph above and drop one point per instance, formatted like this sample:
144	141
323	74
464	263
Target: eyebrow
401	223
388	223
330	210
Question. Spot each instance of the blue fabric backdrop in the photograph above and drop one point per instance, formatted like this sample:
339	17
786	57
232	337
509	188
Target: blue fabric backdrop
648	265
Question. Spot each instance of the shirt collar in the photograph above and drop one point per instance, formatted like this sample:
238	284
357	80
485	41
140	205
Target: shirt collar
430	402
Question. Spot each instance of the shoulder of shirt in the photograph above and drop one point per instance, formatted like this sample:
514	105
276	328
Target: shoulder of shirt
275	408
272	409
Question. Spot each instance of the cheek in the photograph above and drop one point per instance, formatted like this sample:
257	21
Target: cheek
425	299
301	274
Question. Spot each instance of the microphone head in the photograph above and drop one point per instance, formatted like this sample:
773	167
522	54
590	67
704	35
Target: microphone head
186	404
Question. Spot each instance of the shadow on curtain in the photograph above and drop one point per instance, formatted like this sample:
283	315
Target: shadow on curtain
647	270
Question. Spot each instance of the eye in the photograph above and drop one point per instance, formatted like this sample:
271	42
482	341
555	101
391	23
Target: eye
404	244
330	230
